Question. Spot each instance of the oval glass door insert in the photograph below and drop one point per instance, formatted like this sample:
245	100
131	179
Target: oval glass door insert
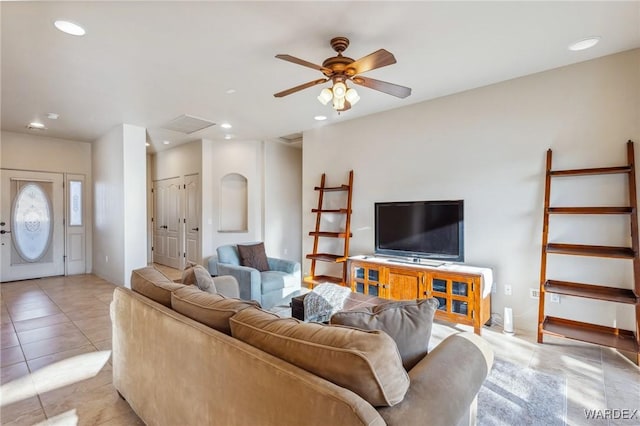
31	222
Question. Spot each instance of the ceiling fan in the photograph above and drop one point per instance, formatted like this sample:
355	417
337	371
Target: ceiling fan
340	69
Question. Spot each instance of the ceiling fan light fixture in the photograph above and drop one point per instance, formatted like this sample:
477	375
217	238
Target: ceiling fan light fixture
339	89
325	96
352	96
339	69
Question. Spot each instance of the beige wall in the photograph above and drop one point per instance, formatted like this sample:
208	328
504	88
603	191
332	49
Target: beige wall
39	153
282	200
179	161
219	159
119	175
487	146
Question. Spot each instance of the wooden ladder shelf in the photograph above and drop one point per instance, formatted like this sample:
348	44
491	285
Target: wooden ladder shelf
625	340
313	279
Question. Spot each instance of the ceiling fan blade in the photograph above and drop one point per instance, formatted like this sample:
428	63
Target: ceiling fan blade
383	86
300	87
378	59
304	63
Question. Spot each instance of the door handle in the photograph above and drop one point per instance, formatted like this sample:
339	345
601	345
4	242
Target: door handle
163	227
5	232
195	229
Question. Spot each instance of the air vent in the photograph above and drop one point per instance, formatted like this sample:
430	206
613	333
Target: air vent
188	124
292	138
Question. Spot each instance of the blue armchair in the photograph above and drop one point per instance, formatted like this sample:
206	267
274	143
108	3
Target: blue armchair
271	288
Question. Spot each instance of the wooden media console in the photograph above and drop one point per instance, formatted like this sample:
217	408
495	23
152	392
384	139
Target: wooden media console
464	292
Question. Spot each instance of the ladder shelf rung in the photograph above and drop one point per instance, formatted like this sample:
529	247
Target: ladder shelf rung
328	234
600	335
594	171
590	250
590	210
332	188
329	211
327	257
591	291
320	279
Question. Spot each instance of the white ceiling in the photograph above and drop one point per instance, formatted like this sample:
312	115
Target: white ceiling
146	63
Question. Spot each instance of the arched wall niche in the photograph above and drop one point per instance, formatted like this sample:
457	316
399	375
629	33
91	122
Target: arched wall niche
234	204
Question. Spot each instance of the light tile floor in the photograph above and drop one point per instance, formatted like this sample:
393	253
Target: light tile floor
56	342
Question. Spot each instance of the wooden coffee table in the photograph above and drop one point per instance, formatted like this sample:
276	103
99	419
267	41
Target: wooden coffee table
354	301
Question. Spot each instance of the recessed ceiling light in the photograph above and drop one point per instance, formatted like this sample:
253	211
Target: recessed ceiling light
320	117
147	144
225	125
584	44
52	116
166	142
70	28
230	91
227	137
35	125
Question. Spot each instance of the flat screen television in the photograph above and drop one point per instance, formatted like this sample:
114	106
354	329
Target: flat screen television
420	229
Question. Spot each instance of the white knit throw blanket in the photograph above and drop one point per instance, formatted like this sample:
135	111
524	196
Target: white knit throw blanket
324	301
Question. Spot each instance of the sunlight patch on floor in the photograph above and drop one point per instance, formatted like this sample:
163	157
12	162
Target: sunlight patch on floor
54	376
68	418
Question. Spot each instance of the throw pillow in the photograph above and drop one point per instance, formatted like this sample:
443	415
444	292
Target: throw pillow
365	362
408	323
253	256
213	310
200	276
188	277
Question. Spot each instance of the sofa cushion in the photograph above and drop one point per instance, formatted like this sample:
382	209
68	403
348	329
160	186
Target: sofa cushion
200	276
153	284
365	362
276	280
253	256
213	310
408	323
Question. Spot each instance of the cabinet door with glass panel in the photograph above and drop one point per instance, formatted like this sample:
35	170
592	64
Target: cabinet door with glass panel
365	279
455	294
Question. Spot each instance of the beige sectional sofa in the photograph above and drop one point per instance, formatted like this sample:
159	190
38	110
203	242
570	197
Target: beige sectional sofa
174	370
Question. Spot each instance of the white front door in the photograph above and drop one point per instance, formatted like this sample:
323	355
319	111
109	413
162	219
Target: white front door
167	238
192	217
31	225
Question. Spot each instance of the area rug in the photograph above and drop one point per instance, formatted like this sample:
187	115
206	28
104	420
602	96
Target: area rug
516	395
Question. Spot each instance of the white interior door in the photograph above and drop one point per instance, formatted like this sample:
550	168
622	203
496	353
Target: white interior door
31	225
167	235
192	217
158	246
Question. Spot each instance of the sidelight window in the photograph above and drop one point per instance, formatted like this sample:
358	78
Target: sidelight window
75	203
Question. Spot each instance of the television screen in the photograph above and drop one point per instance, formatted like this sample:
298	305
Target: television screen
426	229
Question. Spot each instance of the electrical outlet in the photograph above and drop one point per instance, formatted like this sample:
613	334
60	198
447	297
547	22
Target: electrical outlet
534	293
507	290
555	298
